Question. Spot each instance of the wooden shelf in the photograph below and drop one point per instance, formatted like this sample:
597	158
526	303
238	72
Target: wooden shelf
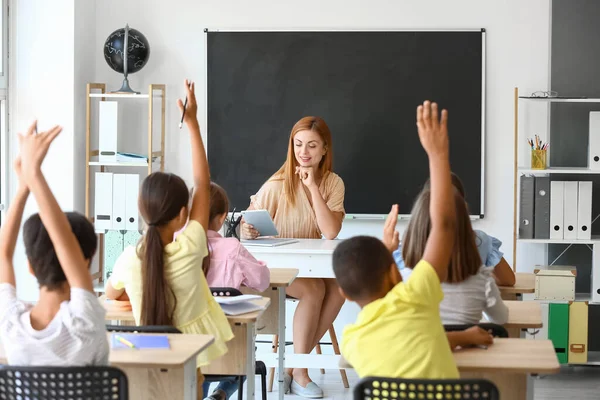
119	164
562	100
559	170
121	95
594	240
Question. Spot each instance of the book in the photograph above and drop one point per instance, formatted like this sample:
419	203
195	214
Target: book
268	242
240	308
138	341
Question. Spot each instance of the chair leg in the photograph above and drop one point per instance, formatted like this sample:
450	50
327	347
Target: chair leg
318	350
263	385
240	388
272	370
336	350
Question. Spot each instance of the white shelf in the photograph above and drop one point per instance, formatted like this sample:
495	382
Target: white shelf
121	95
119	164
561	100
594	240
559	170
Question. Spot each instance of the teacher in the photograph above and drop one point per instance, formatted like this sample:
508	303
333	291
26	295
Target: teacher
306	200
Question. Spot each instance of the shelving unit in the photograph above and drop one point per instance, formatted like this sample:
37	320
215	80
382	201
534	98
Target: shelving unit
155	91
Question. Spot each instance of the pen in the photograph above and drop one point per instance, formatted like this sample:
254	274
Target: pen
124	341
184	105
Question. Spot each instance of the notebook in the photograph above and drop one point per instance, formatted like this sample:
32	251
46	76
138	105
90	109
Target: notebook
240	308
237	299
268	242
139	342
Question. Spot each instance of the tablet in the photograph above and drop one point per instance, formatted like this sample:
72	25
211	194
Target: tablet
262	222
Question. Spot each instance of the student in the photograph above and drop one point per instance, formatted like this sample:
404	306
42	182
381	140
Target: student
66	325
403	317
469	288
229	265
488	247
163	278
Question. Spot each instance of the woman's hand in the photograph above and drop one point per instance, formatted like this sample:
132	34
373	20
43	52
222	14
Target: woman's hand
248	231
307	176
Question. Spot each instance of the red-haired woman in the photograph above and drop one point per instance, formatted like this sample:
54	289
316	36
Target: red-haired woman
306	200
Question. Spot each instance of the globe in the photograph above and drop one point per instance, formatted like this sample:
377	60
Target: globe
138	50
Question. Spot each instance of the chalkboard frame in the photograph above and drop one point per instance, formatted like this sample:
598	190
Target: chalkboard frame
364	216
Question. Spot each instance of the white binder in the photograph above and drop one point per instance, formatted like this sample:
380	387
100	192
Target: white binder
570	210
103	201
107	131
118	193
557	192
584	211
131	202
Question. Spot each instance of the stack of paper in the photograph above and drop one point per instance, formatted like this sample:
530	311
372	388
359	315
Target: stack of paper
236	305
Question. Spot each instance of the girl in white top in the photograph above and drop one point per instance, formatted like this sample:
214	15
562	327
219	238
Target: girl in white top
470	289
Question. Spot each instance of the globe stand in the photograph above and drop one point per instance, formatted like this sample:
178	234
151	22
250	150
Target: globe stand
125	88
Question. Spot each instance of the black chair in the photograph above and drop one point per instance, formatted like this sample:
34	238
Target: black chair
260	368
371	388
63	383
496	330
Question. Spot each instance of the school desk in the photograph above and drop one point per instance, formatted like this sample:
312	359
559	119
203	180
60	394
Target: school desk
522	315
273	320
162	373
525	283
509	363
241	356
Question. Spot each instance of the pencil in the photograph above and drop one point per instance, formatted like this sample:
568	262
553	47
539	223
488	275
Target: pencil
124	341
184	106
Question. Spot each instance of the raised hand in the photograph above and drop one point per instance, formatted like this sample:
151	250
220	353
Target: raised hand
191	107
307	176
433	130
33	149
391	237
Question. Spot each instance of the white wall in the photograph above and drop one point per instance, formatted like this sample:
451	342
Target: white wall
43	85
517	55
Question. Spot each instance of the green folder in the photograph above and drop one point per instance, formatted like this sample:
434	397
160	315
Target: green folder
558	330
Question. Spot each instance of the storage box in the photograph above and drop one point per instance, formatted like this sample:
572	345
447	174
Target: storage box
555	283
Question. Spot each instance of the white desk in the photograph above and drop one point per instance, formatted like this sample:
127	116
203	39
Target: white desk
312	259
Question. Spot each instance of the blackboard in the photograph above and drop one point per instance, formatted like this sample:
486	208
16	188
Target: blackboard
366	85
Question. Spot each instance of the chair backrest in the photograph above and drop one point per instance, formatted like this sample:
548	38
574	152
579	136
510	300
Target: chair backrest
371	388
142	329
62	383
224	291
497	330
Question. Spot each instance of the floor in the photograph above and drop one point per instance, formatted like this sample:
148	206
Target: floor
573	383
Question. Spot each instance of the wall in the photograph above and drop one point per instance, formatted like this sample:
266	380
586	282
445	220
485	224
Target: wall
43	85
517	55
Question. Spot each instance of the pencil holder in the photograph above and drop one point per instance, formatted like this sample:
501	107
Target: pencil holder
538	159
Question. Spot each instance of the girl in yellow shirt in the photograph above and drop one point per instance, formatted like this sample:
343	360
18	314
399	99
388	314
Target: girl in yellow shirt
163	278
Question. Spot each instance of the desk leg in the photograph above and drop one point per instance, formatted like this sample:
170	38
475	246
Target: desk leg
161	383
250	361
281	347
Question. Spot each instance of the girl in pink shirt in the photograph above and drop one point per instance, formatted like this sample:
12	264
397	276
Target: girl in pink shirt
230	264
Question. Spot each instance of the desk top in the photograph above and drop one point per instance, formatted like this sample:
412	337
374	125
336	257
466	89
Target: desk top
183	348
506	356
119	315
523	314
510	355
302	246
283	277
525	283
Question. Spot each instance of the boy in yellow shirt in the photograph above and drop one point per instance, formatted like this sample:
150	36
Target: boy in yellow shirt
399	332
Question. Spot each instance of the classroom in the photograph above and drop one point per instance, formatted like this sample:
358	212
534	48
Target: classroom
281	200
